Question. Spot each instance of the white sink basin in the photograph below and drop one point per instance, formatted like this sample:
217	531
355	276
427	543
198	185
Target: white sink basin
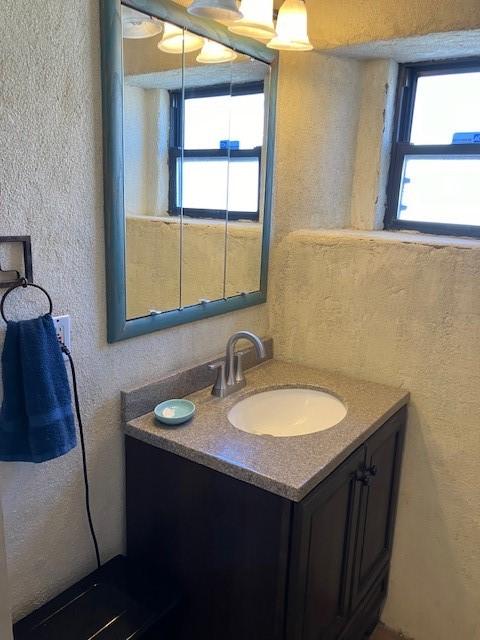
287	412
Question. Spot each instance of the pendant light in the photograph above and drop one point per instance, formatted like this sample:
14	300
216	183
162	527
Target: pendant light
176	40
292	31
214	53
257	21
215	9
138	25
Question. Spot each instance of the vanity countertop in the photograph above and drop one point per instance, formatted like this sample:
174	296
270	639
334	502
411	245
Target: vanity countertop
290	467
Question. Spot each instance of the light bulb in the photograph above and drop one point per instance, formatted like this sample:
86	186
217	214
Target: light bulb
214	52
292	28
176	40
215	9
136	25
257	21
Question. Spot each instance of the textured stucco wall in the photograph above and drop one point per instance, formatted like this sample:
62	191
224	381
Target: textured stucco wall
153	247
432	46
5	618
51	188
405	314
349	22
318	102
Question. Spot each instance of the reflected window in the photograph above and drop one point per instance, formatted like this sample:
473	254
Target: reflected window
220	129
435	171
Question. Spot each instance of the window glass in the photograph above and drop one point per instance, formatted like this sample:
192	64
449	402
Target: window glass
211	120
207	122
247	115
447	106
440	189
205	184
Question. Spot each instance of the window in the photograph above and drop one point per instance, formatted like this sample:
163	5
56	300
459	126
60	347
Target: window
434	182
222	133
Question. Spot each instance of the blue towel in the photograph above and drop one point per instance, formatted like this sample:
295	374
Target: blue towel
36	419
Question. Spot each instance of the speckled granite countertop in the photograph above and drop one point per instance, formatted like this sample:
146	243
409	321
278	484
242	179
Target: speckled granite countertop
289	467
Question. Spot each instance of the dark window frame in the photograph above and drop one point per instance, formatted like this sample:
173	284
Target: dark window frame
176	142
401	147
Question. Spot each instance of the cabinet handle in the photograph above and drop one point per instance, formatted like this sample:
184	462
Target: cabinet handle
363	477
365	474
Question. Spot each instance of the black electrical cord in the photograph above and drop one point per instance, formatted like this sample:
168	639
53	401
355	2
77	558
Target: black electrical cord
84	455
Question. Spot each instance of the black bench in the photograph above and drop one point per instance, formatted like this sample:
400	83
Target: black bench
115	602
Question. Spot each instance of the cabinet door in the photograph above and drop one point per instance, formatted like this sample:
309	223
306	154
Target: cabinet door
378	504
324	526
220	542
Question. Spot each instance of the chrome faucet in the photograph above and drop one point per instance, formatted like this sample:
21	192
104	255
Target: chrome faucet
230	376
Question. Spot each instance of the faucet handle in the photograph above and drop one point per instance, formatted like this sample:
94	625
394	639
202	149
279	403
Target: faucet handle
239	375
220	386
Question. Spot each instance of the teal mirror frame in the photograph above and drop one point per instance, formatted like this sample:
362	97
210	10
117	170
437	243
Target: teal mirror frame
118	327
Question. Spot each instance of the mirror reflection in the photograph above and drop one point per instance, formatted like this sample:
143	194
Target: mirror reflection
194	143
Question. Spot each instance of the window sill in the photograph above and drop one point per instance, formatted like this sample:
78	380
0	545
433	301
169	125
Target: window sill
333	236
201	222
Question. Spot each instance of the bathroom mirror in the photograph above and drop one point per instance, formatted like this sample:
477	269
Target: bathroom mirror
189	113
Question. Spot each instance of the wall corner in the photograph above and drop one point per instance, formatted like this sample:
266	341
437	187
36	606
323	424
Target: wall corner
374	140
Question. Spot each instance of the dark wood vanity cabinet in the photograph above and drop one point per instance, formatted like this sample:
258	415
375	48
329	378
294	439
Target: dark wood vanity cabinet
322	552
342	535
252	565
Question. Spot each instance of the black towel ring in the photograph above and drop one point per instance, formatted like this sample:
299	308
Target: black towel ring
24	283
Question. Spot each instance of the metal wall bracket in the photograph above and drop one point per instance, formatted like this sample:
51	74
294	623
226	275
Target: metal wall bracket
27	262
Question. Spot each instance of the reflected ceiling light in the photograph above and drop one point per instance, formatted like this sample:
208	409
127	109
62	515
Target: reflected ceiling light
215	9
257	21
176	40
292	28
138	25
214	52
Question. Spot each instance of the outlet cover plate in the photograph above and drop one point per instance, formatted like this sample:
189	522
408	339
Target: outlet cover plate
62	328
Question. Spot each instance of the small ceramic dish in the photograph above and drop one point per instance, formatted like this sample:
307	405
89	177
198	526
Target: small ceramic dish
174	411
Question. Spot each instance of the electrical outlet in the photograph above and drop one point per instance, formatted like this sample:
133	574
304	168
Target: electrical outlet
62	328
